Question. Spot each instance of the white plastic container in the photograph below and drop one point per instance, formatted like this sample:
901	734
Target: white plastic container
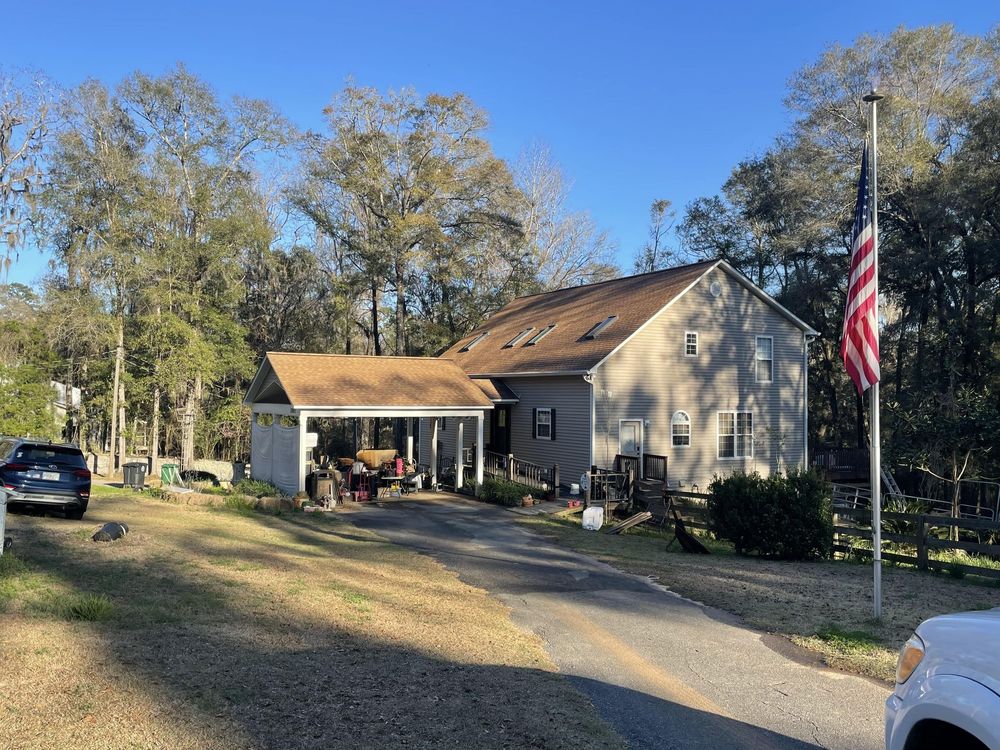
593	518
574	489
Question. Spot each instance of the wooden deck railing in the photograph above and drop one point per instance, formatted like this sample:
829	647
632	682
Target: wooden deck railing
843	464
654	467
536	476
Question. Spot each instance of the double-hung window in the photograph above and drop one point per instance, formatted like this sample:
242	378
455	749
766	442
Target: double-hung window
764	359
545	424
680	429
735	434
691	344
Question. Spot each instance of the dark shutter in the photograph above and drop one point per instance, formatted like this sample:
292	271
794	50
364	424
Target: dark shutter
552	425
534	424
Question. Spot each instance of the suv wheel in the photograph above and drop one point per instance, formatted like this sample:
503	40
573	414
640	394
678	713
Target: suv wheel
74	514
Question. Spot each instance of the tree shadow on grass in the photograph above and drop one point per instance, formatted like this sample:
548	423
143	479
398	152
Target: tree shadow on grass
227	675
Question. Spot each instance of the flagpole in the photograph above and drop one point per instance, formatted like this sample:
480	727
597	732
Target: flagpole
876	445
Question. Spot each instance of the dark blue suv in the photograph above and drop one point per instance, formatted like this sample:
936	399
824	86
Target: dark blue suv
40	475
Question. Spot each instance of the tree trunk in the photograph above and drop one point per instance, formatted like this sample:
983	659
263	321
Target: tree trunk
84	433
375	338
121	425
187	426
114	463
154	448
400	309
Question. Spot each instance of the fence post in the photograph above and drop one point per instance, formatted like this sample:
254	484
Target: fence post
836	536
510	467
555	482
922	543
631	485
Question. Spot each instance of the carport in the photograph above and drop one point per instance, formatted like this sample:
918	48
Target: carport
309	386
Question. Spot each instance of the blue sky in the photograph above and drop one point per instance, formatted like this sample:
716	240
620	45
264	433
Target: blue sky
636	100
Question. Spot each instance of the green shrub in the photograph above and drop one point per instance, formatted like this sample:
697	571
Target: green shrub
89	607
785	516
502	492
256	488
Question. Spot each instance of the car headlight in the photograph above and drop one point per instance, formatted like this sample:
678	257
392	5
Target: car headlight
909	657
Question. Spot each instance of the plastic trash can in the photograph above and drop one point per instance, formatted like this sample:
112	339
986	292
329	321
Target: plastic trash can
135	474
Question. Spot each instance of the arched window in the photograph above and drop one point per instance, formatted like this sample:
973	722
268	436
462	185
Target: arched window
680	429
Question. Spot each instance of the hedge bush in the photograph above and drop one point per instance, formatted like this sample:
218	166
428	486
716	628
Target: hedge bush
785	516
502	492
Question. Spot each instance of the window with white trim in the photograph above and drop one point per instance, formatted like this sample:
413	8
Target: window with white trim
680	429
735	434
543	424
691	344
764	359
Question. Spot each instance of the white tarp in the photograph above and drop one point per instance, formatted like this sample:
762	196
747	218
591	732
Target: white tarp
285	459
260	452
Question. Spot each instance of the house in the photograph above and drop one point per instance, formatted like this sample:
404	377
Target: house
696	364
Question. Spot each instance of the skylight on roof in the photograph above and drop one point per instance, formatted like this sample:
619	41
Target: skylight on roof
474	341
592	333
518	337
540	335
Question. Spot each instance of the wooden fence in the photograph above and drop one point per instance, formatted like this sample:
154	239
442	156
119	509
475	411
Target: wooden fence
918	531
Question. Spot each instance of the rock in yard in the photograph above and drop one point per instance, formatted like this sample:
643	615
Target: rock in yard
110	531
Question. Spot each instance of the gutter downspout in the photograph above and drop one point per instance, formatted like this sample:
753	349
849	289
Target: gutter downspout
806	338
589	378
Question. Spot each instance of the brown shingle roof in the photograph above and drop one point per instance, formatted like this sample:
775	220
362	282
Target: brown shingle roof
353	380
496	390
574	311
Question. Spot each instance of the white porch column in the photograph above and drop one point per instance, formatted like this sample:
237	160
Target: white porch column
479	452
303	421
434	452
459	440
409	439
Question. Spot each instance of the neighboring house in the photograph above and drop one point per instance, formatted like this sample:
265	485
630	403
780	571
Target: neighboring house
694	363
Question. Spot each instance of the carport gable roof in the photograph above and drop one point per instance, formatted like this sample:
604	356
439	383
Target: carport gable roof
331	381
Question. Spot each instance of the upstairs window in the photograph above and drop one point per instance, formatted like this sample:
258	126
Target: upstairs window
474	341
540	335
680	429
592	333
519	337
764	359
691	344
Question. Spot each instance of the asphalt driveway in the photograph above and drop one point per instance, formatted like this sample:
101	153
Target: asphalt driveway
663	671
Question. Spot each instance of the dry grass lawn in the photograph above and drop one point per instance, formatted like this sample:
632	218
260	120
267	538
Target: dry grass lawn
824	606
223	629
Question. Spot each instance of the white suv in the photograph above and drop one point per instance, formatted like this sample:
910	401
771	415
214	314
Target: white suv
948	685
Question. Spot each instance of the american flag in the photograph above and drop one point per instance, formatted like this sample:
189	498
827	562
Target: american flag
859	343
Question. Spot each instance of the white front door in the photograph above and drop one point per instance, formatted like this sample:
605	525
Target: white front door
630	438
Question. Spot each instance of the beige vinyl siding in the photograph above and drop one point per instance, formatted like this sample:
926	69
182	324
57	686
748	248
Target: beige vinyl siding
570	398
649	378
